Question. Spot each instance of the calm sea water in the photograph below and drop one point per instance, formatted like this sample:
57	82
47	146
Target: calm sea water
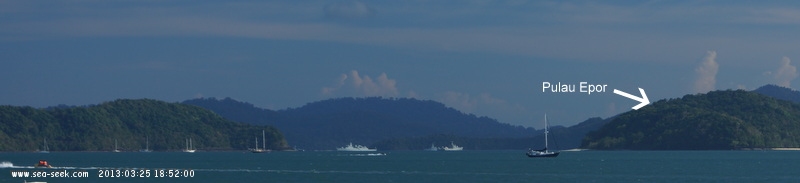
413	166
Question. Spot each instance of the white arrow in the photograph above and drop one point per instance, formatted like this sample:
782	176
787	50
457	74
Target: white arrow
644	101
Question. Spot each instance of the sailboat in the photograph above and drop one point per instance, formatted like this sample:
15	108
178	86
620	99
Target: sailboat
543	152
189	146
147	146
116	149
263	147
46	149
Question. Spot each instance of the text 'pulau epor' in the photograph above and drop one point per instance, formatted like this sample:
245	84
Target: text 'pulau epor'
583	87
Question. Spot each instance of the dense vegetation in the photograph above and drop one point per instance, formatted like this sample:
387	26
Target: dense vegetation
130	123
779	92
716	120
392	124
335	122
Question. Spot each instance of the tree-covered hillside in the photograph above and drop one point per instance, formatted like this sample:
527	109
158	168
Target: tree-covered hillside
130	123
716	120
779	92
393	124
332	123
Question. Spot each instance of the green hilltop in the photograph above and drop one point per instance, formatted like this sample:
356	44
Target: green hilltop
132	123
718	120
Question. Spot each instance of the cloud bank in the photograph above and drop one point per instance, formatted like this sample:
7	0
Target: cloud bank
706	73
355	84
786	73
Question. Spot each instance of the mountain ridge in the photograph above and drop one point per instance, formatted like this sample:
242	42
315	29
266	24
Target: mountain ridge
779	92
370	120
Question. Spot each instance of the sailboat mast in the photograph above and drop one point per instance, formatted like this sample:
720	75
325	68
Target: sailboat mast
263	140
545	131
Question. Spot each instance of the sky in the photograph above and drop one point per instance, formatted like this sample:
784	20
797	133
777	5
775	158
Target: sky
484	57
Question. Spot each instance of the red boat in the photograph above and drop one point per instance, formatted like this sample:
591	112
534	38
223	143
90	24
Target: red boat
43	164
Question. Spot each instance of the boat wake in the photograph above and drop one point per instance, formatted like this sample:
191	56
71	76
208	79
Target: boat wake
368	154
6	164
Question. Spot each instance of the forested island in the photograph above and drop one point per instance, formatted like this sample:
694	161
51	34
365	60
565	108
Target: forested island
132	123
718	120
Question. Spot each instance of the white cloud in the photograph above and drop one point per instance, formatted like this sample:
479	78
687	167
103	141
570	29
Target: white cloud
706	73
413	94
339	83
786	73
356	84
460	101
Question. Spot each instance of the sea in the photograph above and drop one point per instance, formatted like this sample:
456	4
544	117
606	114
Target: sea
404	166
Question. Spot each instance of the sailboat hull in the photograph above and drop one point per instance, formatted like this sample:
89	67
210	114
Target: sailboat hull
543	154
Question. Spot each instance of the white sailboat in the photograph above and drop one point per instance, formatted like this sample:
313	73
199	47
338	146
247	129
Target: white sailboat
189	148
147	146
453	147
263	147
116	149
543	152
45	149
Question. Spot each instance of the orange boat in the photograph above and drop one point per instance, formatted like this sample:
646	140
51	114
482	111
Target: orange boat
43	164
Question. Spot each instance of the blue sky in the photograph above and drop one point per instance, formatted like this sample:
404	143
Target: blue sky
483	57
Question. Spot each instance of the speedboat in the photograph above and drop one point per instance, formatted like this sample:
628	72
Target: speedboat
43	164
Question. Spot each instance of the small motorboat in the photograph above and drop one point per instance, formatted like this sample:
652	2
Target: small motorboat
43	164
